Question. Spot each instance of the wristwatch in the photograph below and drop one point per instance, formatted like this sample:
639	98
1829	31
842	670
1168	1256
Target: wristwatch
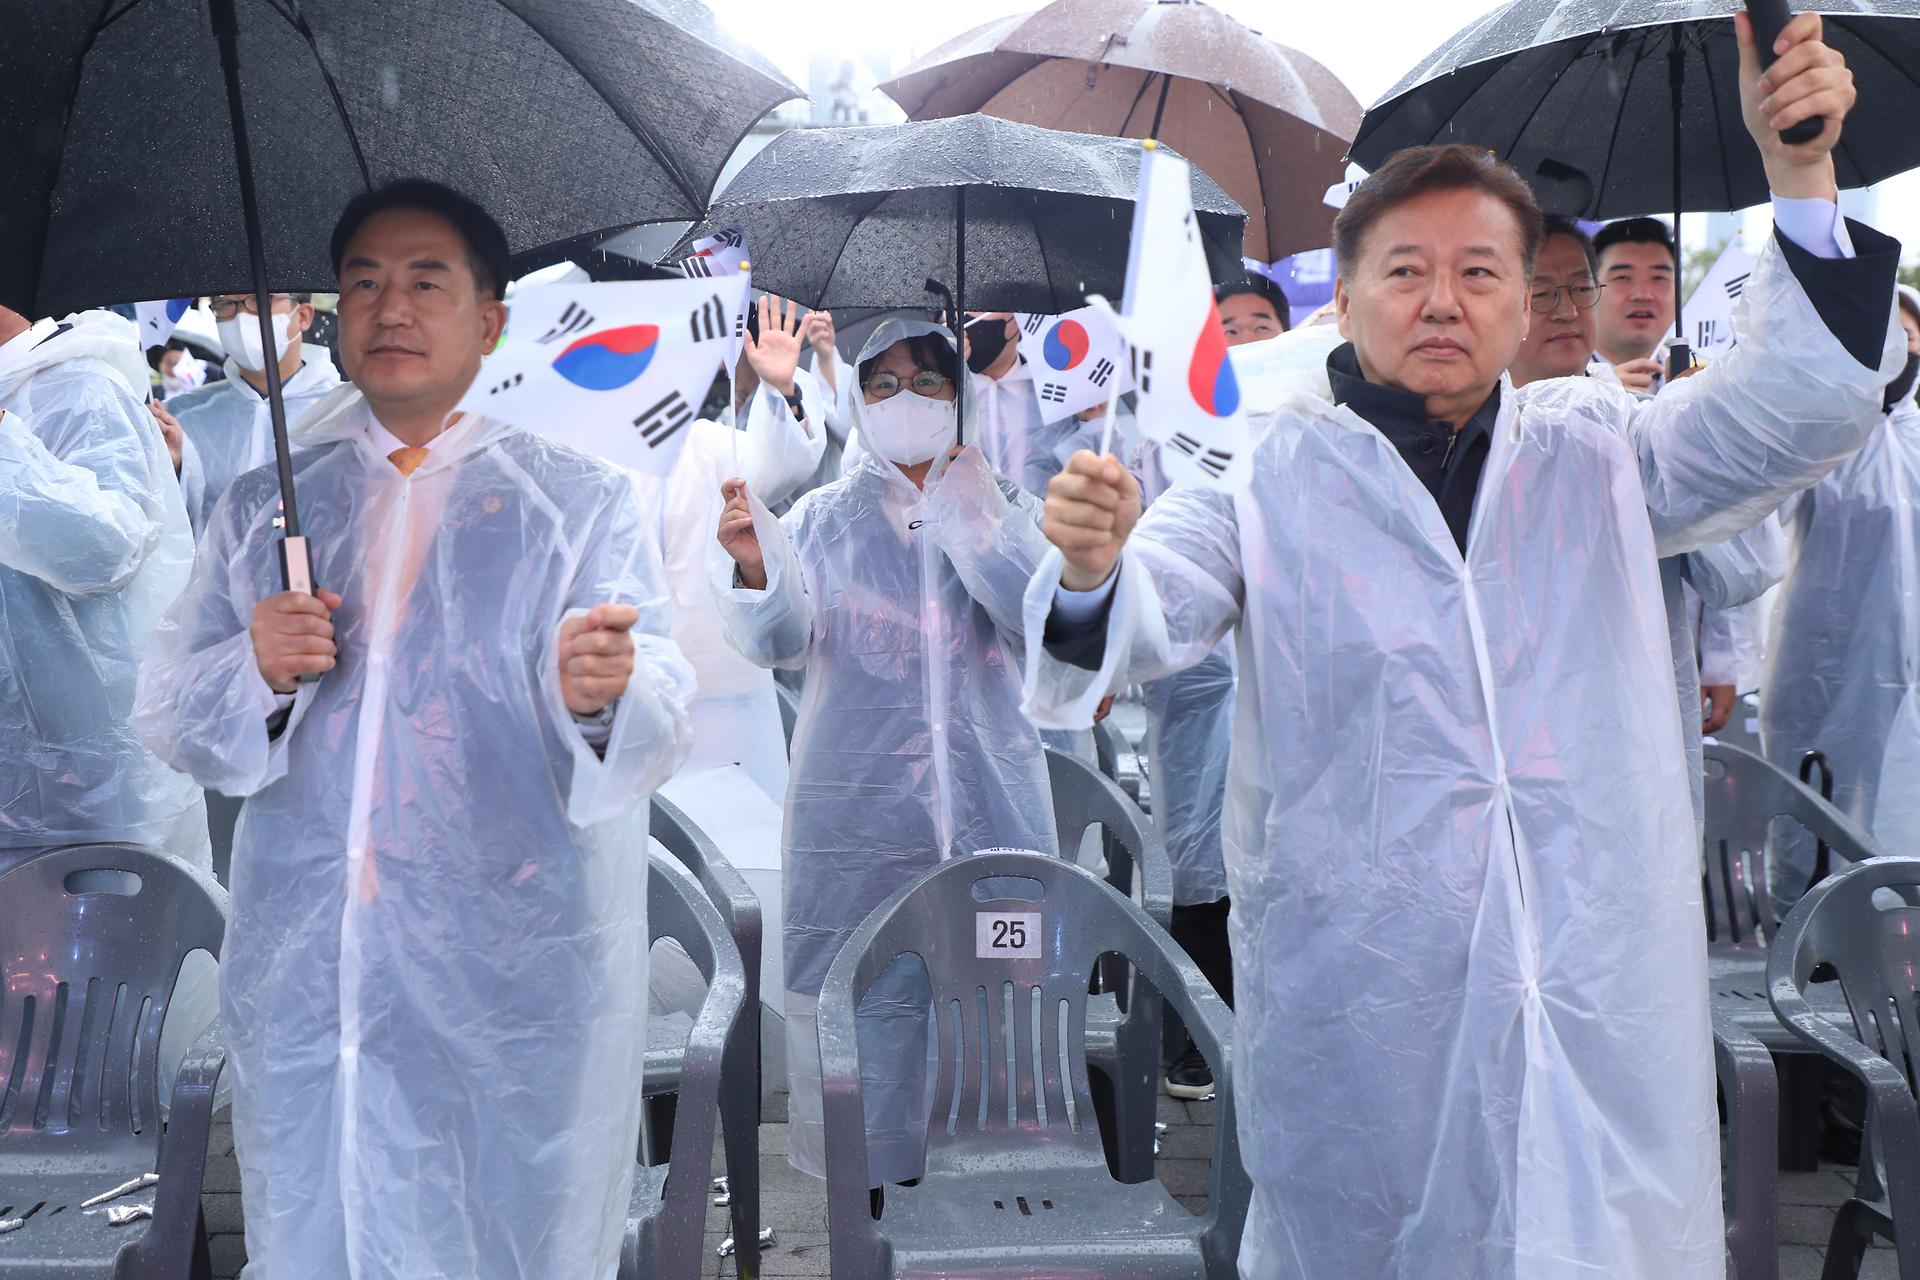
794	404
602	719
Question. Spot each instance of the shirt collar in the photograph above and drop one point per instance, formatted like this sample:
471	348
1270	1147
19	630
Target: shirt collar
1401	416
385	442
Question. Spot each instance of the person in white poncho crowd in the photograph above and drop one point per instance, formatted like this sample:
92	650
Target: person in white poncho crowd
434	977
1843	652
227	424
898	587
1471	1031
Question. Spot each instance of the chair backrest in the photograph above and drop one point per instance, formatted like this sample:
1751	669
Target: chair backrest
1083	796
1009	939
1872	942
92	938
738	904
1744	794
678	908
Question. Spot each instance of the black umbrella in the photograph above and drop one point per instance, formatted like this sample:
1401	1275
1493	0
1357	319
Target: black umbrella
1011	217
1617	107
158	148
982	212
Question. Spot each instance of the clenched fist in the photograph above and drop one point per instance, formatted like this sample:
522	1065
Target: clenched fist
293	637
1092	507
737	536
596	657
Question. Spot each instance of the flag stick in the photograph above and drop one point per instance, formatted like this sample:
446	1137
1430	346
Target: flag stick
1106	432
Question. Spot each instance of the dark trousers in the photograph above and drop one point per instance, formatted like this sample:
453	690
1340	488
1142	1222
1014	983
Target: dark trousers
1201	931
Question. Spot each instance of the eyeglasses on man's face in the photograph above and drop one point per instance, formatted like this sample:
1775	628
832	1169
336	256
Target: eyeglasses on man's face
884	385
1545	298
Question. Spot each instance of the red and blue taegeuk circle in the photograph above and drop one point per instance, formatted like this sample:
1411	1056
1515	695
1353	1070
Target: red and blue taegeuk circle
1210	374
609	359
1066	344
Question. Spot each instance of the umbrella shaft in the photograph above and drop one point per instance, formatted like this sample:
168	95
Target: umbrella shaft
226	32
1676	83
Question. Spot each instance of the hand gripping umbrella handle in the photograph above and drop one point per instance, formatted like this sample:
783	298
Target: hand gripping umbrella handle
1770	18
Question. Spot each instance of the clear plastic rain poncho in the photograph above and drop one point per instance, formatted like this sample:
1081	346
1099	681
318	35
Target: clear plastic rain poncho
94	546
904	607
435	968
229	430
1843	655
1472	1021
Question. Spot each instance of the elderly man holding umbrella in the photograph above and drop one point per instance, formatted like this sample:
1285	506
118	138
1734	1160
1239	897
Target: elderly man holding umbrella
1470	972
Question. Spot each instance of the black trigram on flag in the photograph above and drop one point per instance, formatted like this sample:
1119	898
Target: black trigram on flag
1212	461
700	268
1055	392
508	385
739	325
660	423
1708	334
1100	372
1142	366
1031	325
575	319
709	321
732	237
1738	285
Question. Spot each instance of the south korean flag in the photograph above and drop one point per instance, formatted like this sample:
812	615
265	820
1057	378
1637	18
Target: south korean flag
1075	359
610	369
719	256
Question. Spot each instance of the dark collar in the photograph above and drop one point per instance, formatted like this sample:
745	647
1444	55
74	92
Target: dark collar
1401	416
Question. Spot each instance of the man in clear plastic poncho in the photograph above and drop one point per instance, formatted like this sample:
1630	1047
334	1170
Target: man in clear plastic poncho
1843	657
435	971
898	587
227	424
1471	982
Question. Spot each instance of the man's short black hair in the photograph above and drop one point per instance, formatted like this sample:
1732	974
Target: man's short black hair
1261	287
1416	171
486	242
1561	225
928	351
1634	231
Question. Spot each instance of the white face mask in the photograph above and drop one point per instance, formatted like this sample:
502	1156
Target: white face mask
910	429
241	338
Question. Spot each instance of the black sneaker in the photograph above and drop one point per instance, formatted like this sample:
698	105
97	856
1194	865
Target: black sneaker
1190	1077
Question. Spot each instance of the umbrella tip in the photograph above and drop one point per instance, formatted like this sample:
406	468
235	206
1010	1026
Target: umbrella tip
745	265
1148	144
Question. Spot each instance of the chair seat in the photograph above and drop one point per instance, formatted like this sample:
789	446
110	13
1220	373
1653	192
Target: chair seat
60	1238
1057	1223
1737	979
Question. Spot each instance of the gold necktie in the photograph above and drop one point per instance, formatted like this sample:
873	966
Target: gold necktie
407	459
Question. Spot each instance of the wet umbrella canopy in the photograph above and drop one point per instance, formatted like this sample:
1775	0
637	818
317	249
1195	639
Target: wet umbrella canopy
1578	97
1268	123
561	117
1008	216
166	147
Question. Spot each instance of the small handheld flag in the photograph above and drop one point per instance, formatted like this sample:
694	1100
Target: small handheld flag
610	369
1709	310
156	320
1076	360
1188	396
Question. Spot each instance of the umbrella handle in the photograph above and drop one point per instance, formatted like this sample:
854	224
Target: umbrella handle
1770	18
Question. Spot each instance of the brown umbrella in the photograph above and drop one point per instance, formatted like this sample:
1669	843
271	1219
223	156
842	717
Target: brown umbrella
1267	123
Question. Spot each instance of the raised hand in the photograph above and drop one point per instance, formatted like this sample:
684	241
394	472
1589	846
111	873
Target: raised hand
1092	507
1810	79
776	353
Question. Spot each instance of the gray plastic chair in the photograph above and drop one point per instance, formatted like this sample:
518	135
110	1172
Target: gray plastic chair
1119	761
739	909
666	1224
1752	1093
1016	1182
1123	1021
1874	952
1744	794
92	938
